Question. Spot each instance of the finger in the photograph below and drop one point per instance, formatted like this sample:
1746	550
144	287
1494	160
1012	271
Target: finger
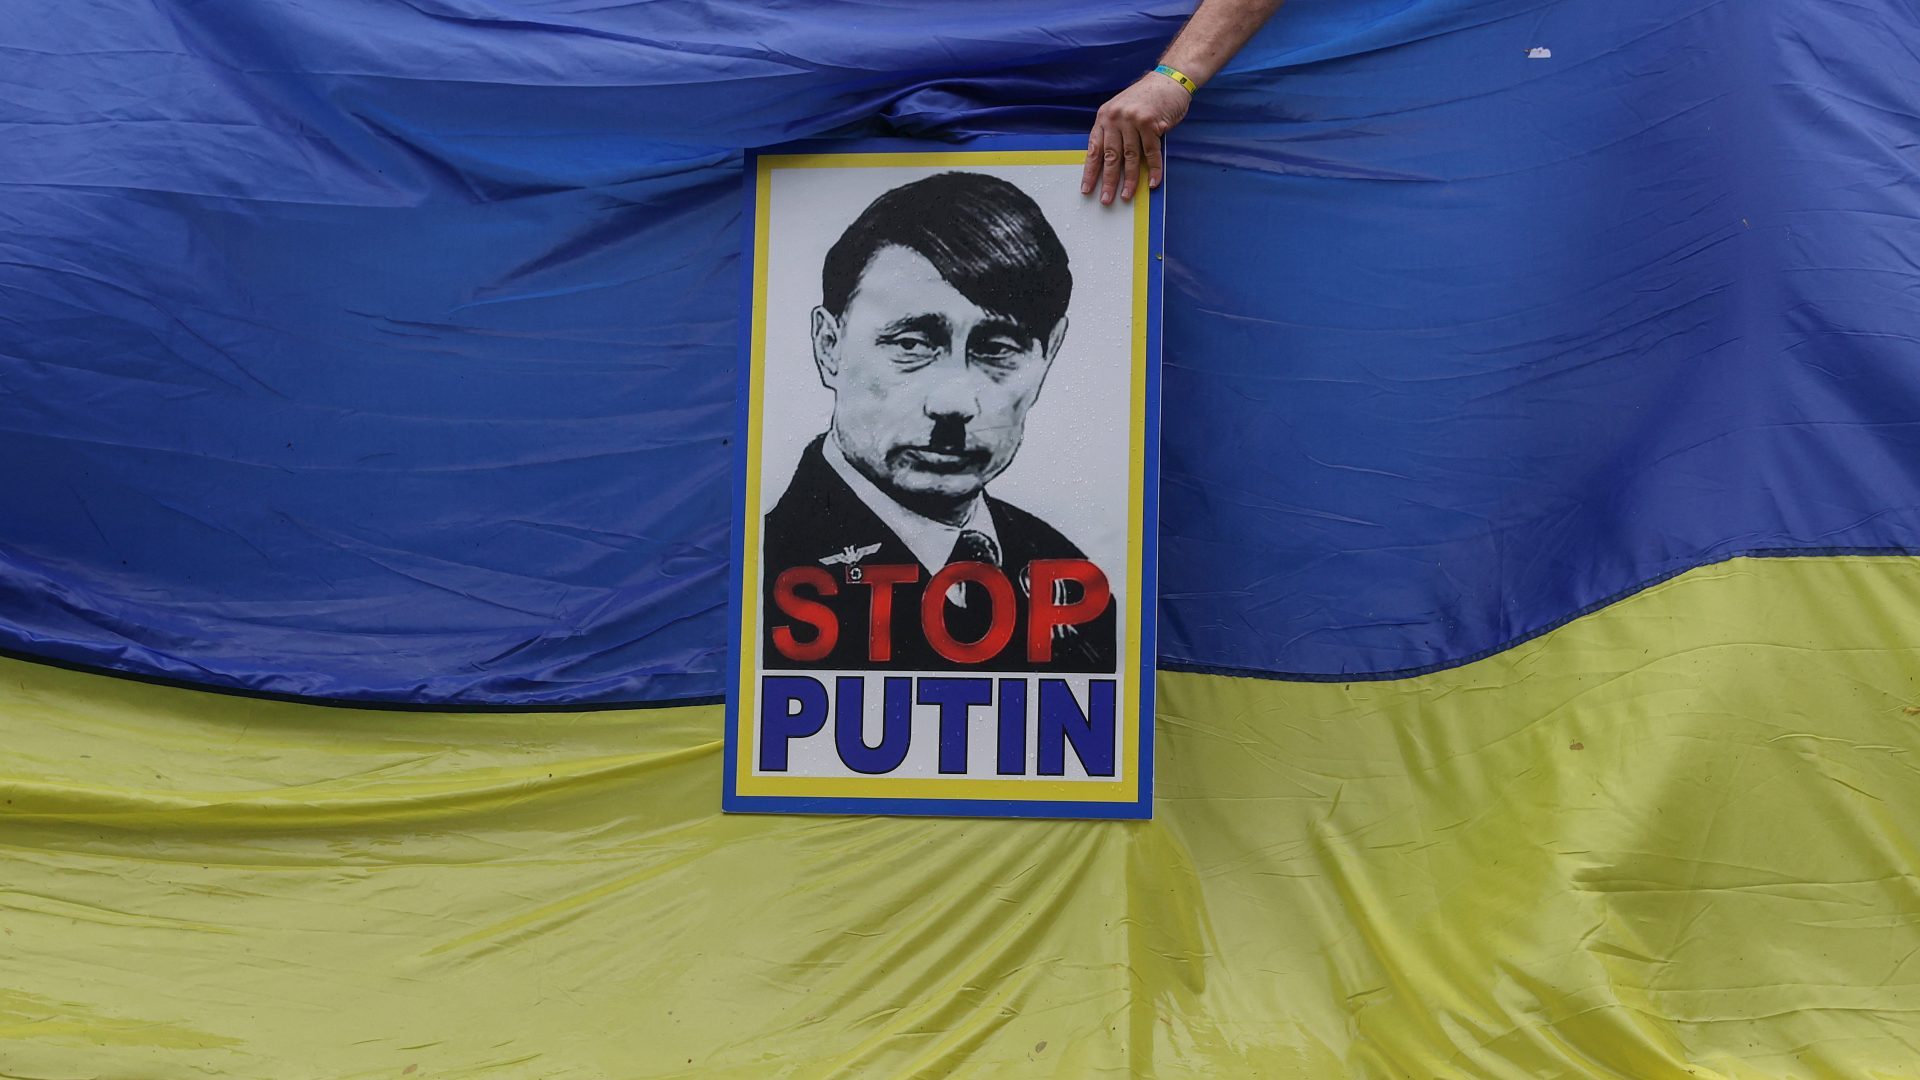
1152	148
1130	162
1092	172
1110	140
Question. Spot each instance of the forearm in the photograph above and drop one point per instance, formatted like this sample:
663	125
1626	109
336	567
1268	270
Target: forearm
1215	33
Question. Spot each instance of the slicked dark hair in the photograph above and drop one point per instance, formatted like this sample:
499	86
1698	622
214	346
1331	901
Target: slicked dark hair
987	238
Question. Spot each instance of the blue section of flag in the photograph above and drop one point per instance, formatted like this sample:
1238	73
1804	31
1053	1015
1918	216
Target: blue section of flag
386	352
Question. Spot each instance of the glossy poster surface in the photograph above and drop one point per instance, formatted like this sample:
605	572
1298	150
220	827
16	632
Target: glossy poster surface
947	460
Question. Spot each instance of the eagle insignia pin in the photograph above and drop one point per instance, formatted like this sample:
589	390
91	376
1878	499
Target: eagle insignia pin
850	557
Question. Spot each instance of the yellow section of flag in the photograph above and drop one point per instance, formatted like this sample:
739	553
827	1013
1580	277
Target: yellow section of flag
1674	838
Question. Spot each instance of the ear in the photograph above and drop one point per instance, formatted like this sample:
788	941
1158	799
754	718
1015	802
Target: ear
1057	335
826	345
1048	350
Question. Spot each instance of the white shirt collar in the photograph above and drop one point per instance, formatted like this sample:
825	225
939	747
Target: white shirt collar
930	541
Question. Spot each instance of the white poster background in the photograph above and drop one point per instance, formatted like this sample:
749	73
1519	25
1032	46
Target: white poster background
1075	467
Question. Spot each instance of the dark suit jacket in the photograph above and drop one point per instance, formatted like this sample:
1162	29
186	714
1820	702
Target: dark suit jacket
819	516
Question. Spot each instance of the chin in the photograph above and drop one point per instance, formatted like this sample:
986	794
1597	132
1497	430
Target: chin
916	486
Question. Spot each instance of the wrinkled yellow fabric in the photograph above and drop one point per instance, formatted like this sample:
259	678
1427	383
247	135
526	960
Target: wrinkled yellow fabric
1675	838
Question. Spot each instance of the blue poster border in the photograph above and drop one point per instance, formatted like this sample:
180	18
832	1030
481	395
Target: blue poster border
1146	604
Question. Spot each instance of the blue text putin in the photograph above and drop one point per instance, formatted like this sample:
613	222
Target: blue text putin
800	708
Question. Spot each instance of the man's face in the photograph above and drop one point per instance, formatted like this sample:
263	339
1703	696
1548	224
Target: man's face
930	391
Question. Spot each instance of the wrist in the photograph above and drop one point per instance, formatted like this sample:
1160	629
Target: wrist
1178	77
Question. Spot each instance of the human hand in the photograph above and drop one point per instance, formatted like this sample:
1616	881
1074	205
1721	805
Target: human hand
1127	130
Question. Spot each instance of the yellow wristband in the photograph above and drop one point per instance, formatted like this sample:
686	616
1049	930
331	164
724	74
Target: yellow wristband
1186	84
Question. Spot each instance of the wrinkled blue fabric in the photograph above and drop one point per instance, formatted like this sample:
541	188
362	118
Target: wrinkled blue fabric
385	351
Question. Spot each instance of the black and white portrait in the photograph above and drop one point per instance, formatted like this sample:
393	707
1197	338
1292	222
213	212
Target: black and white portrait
946	434
948	473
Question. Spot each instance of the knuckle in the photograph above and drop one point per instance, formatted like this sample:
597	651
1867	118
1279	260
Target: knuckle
1111	154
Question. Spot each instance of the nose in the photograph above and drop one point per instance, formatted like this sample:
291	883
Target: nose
954	395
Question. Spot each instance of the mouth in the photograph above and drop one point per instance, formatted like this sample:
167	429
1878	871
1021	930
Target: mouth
928	459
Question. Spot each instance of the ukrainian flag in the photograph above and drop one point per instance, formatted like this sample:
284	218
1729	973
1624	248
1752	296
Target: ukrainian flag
1539	683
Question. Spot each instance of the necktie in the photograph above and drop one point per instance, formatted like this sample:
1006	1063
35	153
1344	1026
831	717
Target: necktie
969	620
975	546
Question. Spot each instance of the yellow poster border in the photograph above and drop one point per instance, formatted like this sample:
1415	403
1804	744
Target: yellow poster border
747	783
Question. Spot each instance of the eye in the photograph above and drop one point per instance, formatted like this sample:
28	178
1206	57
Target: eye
998	351
912	343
